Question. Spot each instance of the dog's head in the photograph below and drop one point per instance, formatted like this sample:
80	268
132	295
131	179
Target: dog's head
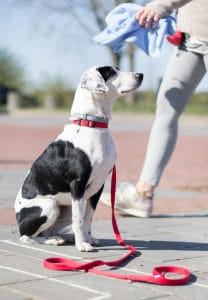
110	81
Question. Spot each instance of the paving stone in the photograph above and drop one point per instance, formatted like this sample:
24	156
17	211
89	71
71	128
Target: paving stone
176	235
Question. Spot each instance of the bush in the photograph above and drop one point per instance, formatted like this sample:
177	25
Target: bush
198	104
57	88
12	72
145	102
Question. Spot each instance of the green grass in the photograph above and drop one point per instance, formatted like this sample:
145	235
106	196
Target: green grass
146	103
143	102
198	104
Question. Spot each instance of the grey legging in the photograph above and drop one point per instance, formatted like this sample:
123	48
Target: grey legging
184	72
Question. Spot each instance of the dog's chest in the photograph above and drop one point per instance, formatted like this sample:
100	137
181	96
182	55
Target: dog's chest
96	143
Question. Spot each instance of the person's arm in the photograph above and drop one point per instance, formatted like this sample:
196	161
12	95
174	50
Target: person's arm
153	11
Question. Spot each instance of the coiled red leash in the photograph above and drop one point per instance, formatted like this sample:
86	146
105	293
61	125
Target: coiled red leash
158	274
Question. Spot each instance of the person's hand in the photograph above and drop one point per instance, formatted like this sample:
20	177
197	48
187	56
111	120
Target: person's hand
147	17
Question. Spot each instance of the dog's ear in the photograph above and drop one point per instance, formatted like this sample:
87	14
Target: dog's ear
94	82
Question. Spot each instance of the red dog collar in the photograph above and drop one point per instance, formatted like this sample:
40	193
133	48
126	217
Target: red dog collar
89	123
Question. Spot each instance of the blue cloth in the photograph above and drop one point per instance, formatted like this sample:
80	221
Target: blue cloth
122	27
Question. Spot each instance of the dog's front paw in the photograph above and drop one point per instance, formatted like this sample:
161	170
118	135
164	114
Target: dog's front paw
84	247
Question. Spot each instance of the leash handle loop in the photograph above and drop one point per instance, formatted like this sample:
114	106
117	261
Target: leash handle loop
158	275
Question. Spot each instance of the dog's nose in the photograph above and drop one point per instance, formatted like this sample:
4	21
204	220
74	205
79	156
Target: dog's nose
139	76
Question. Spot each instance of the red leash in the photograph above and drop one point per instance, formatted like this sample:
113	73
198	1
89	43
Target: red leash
176	39
158	273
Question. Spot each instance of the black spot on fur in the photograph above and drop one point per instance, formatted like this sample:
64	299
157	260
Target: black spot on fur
95	198
61	168
107	72
30	220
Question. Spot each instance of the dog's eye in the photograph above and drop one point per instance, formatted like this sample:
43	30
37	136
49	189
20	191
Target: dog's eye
106	72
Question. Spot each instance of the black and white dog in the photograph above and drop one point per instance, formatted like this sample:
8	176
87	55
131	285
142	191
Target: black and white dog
66	181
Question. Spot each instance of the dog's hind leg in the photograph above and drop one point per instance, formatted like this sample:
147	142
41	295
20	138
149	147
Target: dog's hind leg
34	220
62	226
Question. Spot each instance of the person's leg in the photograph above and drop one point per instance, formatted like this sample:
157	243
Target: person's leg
184	72
205	59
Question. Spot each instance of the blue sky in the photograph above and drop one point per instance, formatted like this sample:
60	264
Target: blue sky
54	44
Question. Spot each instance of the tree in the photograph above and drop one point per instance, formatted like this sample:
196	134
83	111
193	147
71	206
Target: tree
97	9
11	74
88	14
11	71
57	90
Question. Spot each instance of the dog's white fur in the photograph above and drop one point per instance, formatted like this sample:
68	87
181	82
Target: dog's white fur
95	96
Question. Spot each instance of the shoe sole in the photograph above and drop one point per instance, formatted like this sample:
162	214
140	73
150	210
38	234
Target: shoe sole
133	212
128	211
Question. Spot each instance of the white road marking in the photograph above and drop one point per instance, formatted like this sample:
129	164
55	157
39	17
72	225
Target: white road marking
85	288
74	257
38	249
101	294
144	273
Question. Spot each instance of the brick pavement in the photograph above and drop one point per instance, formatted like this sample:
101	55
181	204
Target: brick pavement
179	240
177	234
183	187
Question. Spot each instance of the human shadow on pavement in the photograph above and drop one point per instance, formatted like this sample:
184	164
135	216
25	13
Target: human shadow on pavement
173	216
178	216
155	245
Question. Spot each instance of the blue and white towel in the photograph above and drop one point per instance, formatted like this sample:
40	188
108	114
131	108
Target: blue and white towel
122	27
